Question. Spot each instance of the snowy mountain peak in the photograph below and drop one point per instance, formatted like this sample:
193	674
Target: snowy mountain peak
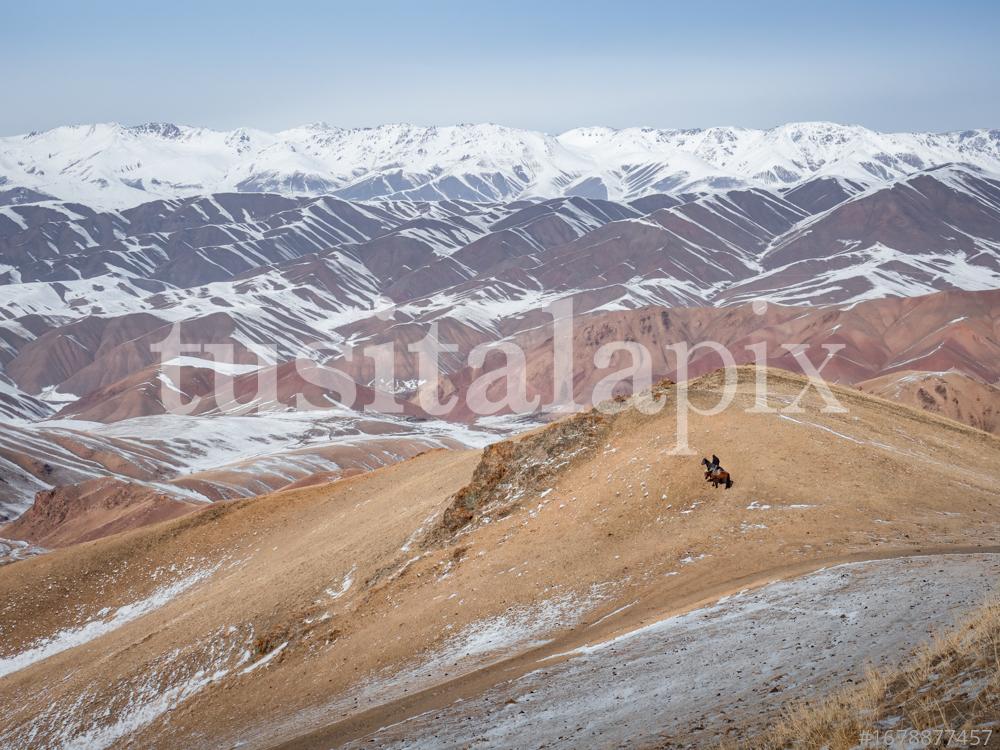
114	166
161	129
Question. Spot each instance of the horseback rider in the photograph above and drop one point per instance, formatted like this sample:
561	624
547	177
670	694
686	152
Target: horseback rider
711	468
715	474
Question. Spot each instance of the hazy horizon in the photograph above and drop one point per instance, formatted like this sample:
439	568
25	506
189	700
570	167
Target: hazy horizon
498	124
890	67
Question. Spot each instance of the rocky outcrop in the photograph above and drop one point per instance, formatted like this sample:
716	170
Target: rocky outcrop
92	509
509	470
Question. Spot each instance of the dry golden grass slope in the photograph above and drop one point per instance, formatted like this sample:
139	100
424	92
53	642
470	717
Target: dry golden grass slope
316	615
949	692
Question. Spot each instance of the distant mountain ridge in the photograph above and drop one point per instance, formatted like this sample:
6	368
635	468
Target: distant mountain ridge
116	166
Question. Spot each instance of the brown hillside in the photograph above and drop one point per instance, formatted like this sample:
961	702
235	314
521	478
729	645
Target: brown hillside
951	394
91	510
336	609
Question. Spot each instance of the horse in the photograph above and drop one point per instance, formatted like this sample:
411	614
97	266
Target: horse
715	474
721	476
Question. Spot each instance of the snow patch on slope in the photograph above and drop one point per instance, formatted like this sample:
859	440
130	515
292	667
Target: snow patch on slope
70	638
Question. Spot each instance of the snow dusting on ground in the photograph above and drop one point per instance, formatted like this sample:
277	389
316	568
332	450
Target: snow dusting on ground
737	661
69	638
476	645
12	550
92	723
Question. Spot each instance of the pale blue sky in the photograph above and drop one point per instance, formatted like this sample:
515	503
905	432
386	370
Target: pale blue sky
543	65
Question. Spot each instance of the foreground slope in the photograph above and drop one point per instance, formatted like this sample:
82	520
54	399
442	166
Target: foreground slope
714	672
949	689
334	609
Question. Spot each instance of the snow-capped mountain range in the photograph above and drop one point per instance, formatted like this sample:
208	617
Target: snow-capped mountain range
114	166
321	240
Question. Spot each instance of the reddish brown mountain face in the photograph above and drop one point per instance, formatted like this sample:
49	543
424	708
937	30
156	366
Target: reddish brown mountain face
952	330
952	393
